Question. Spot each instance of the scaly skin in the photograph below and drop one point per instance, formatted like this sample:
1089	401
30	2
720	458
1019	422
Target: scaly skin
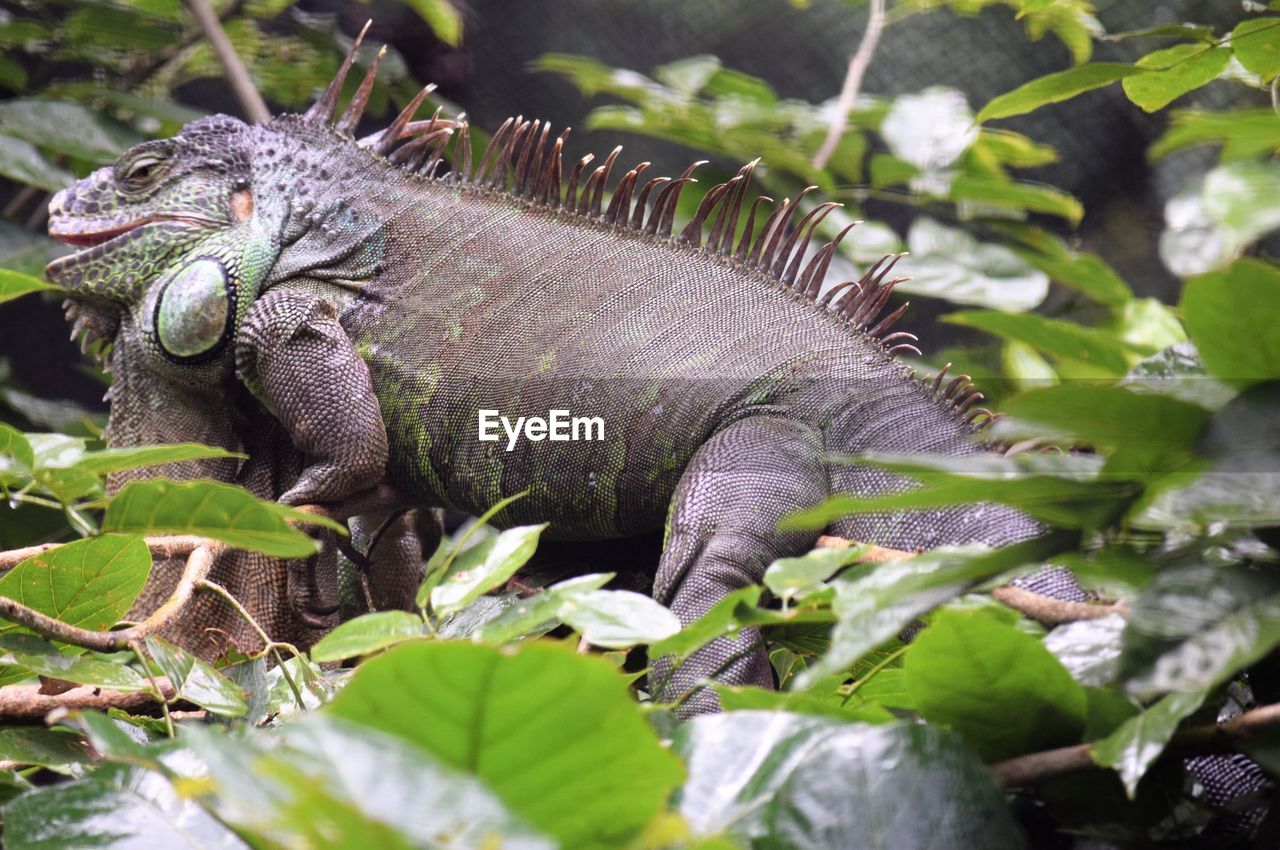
285	277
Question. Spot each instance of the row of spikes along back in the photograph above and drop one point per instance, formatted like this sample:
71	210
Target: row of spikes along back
521	161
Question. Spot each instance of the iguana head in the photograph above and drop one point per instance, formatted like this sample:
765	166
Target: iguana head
162	235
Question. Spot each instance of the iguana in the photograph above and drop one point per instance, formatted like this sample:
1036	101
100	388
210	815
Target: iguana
346	314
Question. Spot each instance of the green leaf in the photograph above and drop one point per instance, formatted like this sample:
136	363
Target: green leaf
1017	195
87	583
325	782
21	161
1051	498
1244	199
1133	747
15	284
1088	350
876	602
443	17
367	634
1089	649
790	578
1082	271
1195	32
1243	133
1175	71
16	448
196	680
1055	88
725	619
618	619
1194	628
1256	43
116	806
946	262
43	658
66	128
215	510
537	613
483	567
54	748
800	702
555	735
1148	433
1232	316
994	684
773	779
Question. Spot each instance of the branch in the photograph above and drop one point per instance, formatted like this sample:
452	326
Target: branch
1051	611
1037	606
25	702
852	83
199	563
237	75
1226	737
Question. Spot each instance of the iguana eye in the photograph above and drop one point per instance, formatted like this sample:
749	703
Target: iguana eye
142	171
193	313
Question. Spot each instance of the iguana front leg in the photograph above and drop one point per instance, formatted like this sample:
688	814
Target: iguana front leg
294	355
722	533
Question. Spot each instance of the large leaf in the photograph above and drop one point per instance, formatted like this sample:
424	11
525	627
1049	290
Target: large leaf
442	16
117	806
1138	742
994	684
538	613
1055	88
326	782
21	161
196	680
484	566
555	735
790	578
366	634
1232	316
946	262
44	659
1148	433
1174	71
211	509
617	619
1256	43
1194	628
875	602
66	128
87	583
1087	351
1243	198
779	780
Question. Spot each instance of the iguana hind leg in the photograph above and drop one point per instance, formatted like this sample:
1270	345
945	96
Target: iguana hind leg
722	533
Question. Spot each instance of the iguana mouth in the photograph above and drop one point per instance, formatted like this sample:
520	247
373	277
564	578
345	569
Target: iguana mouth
90	234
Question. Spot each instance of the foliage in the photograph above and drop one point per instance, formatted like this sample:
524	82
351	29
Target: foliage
490	716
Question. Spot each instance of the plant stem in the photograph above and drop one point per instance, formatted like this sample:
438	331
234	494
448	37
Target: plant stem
852	84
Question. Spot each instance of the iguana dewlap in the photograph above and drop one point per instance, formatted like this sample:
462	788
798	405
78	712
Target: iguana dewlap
287	286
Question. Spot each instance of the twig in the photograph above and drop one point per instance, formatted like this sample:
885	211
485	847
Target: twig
198	565
1223	737
873	555
25	702
852	83
136	647
269	645
237	75
1051	611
